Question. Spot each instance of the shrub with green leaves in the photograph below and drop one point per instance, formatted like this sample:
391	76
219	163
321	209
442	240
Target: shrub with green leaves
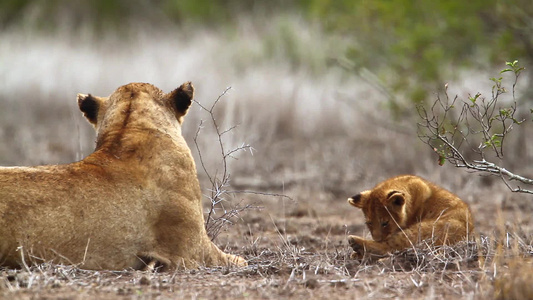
471	133
416	46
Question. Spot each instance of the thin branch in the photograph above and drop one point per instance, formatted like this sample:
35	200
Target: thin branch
200	152
260	193
220	180
480	121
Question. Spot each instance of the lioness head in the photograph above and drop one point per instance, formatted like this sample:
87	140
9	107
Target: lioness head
130	99
386	206
136	106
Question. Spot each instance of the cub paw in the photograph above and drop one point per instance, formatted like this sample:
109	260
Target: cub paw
357	256
366	249
358	246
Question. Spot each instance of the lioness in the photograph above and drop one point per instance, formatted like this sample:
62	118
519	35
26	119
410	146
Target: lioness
134	202
404	210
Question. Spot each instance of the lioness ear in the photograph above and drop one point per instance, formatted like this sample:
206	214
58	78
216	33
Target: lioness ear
89	105
181	98
358	200
396	198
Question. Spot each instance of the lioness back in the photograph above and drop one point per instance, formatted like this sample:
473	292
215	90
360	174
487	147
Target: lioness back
134	202
403	210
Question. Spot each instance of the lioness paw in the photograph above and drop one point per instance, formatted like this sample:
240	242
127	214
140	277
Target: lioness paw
238	261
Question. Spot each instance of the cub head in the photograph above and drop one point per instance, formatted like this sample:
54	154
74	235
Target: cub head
385	208
137	105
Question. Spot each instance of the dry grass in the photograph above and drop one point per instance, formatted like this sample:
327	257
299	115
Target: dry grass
297	257
317	138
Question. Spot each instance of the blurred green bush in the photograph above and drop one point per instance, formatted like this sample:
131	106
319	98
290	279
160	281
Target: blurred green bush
425	41
410	47
115	12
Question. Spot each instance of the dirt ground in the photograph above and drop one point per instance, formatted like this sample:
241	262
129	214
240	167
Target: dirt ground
297	249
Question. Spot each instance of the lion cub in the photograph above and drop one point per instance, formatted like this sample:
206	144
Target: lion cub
404	210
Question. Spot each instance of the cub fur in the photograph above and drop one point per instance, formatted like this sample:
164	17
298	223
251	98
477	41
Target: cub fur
404	210
133	203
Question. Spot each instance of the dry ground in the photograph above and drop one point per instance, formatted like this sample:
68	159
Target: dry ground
317	140
298	250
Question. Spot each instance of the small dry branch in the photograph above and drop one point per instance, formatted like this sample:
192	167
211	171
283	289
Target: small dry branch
471	134
220	179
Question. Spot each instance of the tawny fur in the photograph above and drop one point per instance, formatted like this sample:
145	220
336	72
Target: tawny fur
134	202
402	211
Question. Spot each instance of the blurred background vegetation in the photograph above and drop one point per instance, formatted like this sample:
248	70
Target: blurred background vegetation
350	66
407	47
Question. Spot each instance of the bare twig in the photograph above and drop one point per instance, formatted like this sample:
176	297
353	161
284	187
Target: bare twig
220	179
480	127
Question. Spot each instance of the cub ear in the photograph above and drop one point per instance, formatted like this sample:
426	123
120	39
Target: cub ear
89	106
181	99
396	198
358	200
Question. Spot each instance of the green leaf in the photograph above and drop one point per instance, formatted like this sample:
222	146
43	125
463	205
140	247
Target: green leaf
496	80
505	112
442	160
511	64
474	99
